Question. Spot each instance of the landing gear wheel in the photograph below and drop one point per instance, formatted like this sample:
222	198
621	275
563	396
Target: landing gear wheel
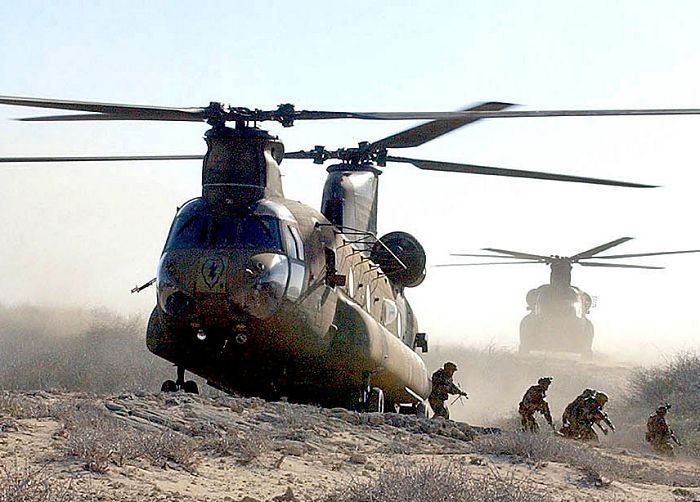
191	387
168	386
421	410
375	400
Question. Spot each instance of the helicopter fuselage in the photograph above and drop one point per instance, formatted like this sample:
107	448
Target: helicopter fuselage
557	320
251	301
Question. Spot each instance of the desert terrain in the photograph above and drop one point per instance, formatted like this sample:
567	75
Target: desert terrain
79	420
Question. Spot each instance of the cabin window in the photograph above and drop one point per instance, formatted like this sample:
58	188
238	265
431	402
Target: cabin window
291	244
389	312
298	242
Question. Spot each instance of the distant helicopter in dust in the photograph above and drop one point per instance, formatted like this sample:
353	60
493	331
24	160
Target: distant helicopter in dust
262	295
557	319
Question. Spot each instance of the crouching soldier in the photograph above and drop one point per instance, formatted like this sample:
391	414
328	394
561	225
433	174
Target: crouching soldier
570	413
591	413
659	434
534	401
443	386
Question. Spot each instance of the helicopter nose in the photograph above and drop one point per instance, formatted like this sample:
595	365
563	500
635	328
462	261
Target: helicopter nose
258	284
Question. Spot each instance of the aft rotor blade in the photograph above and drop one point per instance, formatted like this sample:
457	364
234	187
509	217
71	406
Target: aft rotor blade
589	253
615	265
518	254
485	255
431	165
112	110
582	113
427	132
486	263
634	255
13	160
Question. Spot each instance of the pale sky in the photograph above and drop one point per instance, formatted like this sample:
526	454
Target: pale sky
85	234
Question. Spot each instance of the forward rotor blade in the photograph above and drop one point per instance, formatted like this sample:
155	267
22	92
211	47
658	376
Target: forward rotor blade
634	255
486	263
615	265
518	254
110	109
18	160
431	165
589	253
301	154
165	116
427	132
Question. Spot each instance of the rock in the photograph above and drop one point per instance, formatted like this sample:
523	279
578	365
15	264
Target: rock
375	419
358	458
370	466
477	461
293	448
287	497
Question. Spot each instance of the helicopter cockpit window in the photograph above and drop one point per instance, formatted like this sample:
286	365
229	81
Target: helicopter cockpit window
201	229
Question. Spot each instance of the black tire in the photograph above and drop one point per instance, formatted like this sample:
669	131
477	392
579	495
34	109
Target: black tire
191	387
421	410
168	386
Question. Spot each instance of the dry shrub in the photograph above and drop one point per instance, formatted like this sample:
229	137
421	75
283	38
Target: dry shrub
26	484
439	482
538	448
676	382
102	440
23	406
246	447
76	350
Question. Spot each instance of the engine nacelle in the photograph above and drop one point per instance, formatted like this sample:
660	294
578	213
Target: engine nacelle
408	250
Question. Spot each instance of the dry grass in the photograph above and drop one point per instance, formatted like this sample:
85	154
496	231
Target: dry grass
101	440
76	350
676	382
594	462
439	482
28	484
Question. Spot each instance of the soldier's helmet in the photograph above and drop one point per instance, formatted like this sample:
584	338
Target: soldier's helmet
450	366
601	398
588	393
545	381
663	409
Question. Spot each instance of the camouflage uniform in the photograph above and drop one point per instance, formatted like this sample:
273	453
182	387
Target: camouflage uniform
571	411
659	434
443	386
589	413
534	401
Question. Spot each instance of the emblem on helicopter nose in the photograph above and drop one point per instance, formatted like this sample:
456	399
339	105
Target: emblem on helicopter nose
212	275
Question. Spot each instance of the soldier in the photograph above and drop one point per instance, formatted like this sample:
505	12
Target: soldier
570	412
590	413
443	386
659	434
534	401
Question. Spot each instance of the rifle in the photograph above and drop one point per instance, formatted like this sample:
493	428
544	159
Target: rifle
604	417
674	438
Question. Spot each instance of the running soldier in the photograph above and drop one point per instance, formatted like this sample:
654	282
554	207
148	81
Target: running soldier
443	386
534	401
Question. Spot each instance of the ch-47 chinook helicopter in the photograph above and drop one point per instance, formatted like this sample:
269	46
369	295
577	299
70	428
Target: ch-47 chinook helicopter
557	319
262	295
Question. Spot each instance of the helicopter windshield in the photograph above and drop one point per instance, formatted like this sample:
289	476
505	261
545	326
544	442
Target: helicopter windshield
194	227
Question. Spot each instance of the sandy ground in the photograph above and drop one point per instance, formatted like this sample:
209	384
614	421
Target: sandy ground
273	449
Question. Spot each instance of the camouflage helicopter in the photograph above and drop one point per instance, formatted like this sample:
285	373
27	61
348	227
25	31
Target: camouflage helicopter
265	296
557	319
